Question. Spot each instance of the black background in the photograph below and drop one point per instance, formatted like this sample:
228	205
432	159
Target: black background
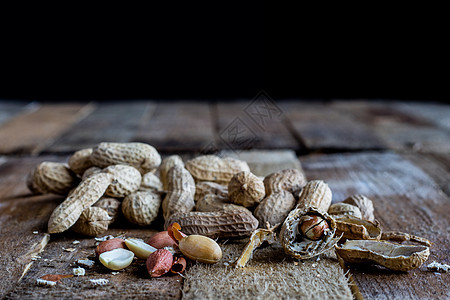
223	51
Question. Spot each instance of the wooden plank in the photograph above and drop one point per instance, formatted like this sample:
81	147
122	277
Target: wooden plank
9	109
180	126
23	220
323	128
397	127
436	113
435	165
255	124
110	122
22	214
405	199
31	131
132	282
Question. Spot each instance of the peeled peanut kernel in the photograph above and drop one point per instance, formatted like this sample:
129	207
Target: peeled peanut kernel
200	248
116	259
313	227
139	247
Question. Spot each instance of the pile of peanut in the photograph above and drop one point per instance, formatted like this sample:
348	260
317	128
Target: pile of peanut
209	197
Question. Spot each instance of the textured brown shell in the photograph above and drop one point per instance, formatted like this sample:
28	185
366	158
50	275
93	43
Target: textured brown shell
357	229
274	208
139	155
91	171
80	161
299	247
246	189
92	222
180	197
213	202
204	188
141	207
219	224
111	205
364	204
392	256
52	177
85	195
214	168
166	165
317	194
344	209
127	180
151	182
291	180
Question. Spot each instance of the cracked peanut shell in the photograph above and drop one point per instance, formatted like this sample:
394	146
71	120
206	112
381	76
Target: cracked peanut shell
111	205
344	209
364	204
392	256
299	246
357	229
204	188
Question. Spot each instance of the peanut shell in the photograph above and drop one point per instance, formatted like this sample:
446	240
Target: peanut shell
214	168
166	165
204	188
213	202
246	189
220	224
392	256
91	171
111	205
274	208
291	180
181	191
141	207
357	229
298	246
86	194
151	182
316	194
80	161
344	209
139	155
127	180
92	222
364	204
52	177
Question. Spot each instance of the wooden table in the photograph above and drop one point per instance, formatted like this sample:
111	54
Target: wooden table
396	153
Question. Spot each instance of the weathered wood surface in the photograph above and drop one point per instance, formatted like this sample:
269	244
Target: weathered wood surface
180	126
405	199
399	126
321	127
258	123
9	109
23	220
33	130
110	121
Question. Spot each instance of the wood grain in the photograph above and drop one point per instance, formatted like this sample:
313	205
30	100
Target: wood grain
31	131
400	127
23	220
405	199
323	128
253	124
109	122
9	109
180	126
